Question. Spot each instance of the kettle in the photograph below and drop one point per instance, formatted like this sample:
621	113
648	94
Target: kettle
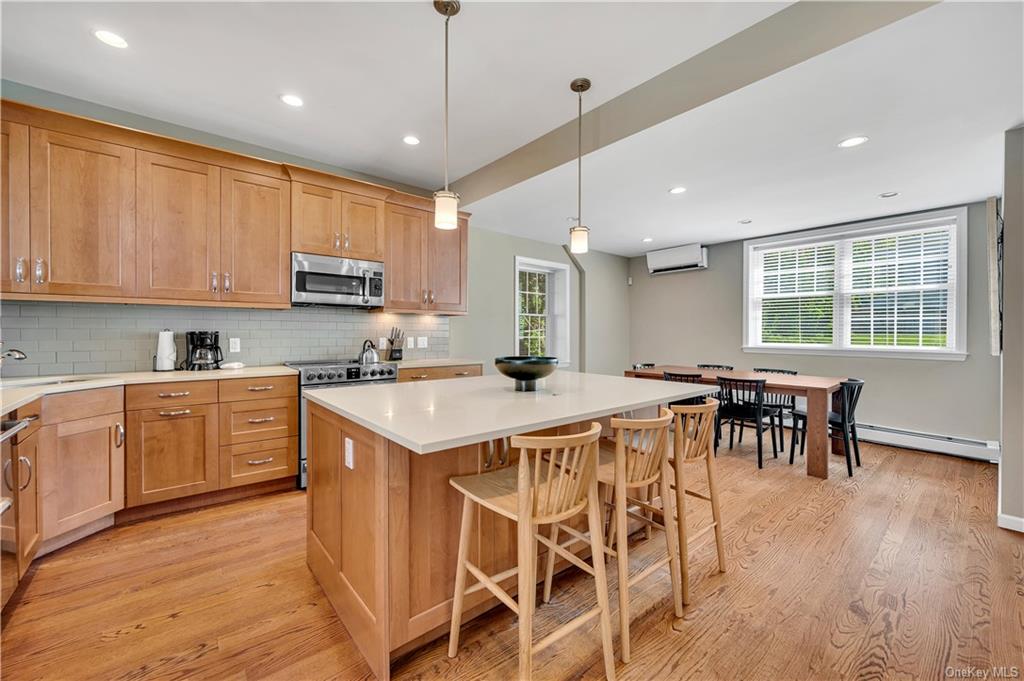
369	355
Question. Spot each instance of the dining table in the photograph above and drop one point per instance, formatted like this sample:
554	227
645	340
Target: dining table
819	392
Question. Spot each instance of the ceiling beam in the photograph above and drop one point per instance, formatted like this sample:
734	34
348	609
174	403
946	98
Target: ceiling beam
793	35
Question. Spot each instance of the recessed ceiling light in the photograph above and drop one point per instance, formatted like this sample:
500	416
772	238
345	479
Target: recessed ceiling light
411	140
647	240
677	190
112	39
888	195
745	221
292	100
853	142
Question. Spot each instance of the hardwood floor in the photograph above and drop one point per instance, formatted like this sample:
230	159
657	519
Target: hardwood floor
899	572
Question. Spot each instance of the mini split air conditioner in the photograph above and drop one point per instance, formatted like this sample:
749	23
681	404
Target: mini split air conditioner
679	259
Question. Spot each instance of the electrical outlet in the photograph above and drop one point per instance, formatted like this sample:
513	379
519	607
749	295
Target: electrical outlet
350	457
382	343
421	342
234	345
410	342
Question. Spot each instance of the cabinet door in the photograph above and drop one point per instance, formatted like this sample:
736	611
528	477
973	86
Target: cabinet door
447	259
250	462
14	240
316	219
255	238
405	287
26	466
178	236
82	216
8	526
363	227
172	452
81	472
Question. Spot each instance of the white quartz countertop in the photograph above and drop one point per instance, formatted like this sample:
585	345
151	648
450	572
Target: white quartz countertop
17	392
426	363
436	415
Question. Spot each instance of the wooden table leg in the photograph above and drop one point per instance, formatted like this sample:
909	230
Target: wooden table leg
817	433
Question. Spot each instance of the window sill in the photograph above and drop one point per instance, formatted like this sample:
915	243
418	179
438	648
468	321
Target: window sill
942	356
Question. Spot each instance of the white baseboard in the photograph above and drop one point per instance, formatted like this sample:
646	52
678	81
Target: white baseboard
1010	522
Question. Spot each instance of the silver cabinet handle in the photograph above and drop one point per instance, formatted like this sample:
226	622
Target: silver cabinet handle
176	412
503	457
259	462
19	270
337	241
265	419
431	296
259	388
40	270
227	282
8	483
213	282
347	242
183	393
30	419
490	455
28	462
424	296
462	373
418	377
118	435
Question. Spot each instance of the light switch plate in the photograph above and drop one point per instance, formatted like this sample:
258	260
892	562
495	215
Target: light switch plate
410	342
234	345
421	342
350	457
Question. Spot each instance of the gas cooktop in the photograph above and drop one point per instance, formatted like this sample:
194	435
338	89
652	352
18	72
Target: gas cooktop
335	371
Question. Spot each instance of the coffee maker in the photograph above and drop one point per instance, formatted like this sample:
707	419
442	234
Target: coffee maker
202	350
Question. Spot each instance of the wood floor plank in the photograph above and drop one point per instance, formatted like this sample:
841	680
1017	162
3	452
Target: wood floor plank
899	572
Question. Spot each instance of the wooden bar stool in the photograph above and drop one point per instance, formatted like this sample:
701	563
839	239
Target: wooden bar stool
640	460
555	480
691	443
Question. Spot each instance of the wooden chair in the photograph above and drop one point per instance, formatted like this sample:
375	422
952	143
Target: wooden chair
639	461
556	479
691	443
842	425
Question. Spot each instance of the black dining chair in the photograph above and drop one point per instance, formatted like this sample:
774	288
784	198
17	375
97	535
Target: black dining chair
784	403
841	424
742	402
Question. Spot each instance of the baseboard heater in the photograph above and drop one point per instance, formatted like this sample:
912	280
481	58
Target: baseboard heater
943	444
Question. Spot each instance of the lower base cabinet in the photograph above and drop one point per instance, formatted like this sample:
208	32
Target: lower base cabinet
172	453
251	462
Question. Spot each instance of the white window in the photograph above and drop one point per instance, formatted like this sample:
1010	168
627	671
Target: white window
893	287
542	309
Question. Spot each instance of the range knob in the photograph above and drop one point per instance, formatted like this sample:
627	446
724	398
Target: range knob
310	375
373	372
364	372
330	375
321	375
391	372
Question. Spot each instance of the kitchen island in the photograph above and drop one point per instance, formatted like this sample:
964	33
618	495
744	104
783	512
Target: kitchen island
383	522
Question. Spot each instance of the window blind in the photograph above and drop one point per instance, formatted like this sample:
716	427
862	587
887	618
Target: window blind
797	286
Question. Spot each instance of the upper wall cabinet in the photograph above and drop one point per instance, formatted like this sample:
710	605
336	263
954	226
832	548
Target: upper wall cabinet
14	241
337	223
362	225
178	223
447	256
254	224
426	268
82	215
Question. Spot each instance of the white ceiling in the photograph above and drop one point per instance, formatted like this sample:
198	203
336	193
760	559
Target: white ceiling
934	92
370	73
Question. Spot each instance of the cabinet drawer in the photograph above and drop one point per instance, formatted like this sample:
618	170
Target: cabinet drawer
435	373
237	389
251	462
159	395
254	420
82	404
33	412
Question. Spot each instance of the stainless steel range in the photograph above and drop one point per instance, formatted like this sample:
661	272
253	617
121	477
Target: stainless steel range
316	375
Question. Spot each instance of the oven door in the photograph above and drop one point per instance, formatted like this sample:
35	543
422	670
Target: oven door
323	280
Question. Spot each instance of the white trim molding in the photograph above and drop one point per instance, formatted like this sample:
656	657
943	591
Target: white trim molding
559	306
1010	522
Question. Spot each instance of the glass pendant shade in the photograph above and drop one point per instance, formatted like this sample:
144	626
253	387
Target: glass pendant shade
579	237
446	210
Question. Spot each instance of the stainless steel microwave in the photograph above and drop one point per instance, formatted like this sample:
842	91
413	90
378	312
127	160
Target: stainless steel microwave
323	280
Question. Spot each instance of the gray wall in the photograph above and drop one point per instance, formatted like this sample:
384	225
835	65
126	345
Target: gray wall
698	317
488	330
77	338
1011	465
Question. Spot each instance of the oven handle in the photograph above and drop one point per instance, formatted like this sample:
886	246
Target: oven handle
366	286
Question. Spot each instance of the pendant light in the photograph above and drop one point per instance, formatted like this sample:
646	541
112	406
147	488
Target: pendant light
579	235
446	203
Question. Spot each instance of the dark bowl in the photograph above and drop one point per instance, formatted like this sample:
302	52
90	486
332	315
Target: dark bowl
526	370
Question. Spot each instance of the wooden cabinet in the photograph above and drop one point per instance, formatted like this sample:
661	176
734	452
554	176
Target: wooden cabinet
435	373
237	389
255	238
426	268
14	212
253	420
250	462
178	228
82	215
336	223
26	466
81	472
172	452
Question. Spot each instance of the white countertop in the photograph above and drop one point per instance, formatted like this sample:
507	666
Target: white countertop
17	392
425	363
435	415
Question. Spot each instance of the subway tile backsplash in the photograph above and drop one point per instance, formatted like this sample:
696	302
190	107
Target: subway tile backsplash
83	338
